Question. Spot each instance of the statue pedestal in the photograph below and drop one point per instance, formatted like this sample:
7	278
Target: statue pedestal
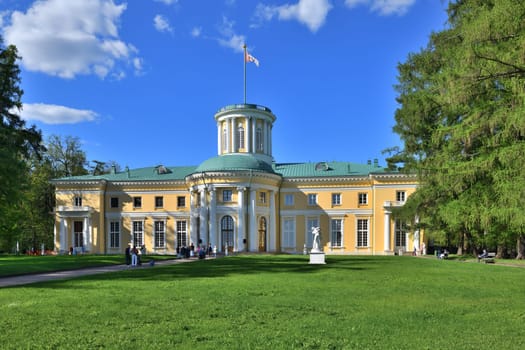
317	257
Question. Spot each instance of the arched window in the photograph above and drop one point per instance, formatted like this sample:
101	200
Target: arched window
240	137
224	140
258	139
227	231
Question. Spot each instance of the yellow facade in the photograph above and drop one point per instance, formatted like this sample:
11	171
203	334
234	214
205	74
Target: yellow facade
240	200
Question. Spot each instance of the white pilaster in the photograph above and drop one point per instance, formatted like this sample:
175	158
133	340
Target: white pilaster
387	231
213	217
193	216
85	235
272	232
248	135
63	235
219	136
253	243
203	219
240	216
254	135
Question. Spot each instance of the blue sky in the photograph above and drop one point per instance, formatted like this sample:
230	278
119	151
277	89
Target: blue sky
139	81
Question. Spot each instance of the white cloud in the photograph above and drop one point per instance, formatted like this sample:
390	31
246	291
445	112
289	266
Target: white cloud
85	41
384	7
230	39
196	32
311	13
54	114
162	24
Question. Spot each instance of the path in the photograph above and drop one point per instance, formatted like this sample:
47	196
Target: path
59	275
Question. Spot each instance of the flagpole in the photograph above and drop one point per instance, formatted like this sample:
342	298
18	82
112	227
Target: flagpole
244	60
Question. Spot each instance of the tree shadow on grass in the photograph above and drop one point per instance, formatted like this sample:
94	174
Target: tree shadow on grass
226	266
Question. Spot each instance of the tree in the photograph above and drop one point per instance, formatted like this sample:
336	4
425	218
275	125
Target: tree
462	103
17	144
66	156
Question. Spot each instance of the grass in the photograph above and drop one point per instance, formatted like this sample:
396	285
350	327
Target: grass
274	302
12	265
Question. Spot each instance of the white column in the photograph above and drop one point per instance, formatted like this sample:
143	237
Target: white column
203	219
240	215
219	135
63	235
270	148
265	137
254	135
85	235
213	218
193	217
387	231
228	137
253	241
272	231
234	135
248	135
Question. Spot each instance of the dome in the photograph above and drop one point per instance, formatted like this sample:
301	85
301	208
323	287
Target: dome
238	161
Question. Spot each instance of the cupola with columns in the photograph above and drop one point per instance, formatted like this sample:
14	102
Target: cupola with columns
245	128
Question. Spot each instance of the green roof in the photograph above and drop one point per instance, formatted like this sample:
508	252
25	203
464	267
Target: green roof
157	173
229	162
326	169
239	162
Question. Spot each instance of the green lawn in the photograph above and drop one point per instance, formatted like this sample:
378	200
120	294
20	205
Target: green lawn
274	302
12	265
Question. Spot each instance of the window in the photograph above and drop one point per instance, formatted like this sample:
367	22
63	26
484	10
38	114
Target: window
362	232
138	233
182	234
289	199
113	203
137	202
310	222
312	199
400	230
77	202
400	196
227	231
258	139
181	201
362	198
262	197
336	233
336	198
288	233
78	234
225	140
159	202
226	195
240	137
160	234
114	234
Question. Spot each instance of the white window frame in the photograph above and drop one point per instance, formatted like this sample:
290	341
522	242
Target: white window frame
362	198
227	195
401	196
288	237
334	232
262	197
77	201
289	199
336	198
159	234
137	233
312	198
114	234
362	231
181	233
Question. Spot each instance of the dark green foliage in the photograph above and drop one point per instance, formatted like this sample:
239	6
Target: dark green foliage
462	121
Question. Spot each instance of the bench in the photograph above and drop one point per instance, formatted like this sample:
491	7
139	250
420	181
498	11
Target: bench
489	259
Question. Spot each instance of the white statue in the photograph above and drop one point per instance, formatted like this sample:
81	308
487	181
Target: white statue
316	231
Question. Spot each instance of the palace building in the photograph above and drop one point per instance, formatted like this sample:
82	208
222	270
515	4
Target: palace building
241	200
